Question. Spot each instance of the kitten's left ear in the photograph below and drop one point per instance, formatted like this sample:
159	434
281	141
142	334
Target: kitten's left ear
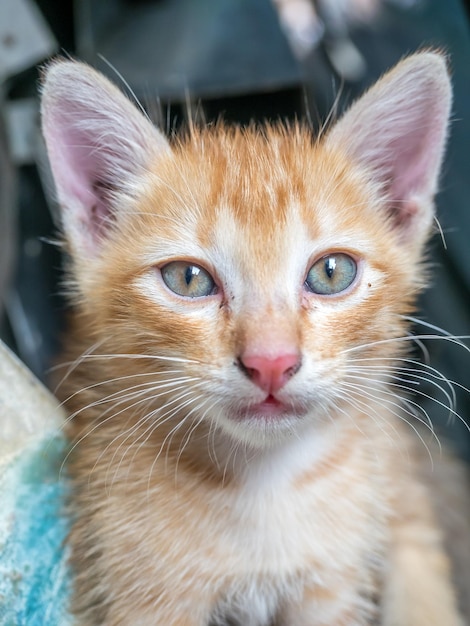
98	145
398	130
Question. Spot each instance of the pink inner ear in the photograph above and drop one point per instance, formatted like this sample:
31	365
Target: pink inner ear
413	163
80	172
413	158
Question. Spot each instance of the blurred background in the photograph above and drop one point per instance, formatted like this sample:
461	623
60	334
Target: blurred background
242	59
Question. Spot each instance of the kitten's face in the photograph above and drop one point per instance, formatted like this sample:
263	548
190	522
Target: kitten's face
233	254
253	269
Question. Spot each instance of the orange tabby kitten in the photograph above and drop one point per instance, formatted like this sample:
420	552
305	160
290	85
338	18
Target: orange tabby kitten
240	454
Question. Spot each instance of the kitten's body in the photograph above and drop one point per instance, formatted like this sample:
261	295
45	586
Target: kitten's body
243	455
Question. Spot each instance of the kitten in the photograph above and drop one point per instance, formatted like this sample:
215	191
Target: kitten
240	451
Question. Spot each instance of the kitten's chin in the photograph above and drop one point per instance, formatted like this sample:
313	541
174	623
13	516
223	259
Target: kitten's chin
263	424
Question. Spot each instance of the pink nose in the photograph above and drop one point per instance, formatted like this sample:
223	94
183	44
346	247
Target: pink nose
270	374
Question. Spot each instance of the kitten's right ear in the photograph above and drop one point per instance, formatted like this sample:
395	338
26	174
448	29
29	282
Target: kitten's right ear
97	142
398	131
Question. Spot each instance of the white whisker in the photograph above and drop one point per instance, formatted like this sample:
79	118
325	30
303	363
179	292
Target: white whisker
72	365
455	339
442	331
155	419
194	427
404	388
122	401
399	405
356	400
126	390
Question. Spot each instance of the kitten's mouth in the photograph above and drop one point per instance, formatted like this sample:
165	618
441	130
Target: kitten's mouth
271	401
270	408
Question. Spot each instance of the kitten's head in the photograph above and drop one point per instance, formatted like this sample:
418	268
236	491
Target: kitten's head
253	267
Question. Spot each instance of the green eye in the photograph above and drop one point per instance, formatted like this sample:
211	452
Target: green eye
331	274
188	280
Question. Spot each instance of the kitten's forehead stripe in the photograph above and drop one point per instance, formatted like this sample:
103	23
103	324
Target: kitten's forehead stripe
272	181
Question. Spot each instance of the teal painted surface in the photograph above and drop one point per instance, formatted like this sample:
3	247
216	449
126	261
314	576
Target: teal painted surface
33	565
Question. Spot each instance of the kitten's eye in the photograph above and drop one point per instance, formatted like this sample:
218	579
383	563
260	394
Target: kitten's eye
188	280
331	274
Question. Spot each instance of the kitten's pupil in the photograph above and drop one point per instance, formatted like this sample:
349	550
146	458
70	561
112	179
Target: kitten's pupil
330	266
191	271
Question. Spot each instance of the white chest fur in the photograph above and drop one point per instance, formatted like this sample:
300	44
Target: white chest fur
283	532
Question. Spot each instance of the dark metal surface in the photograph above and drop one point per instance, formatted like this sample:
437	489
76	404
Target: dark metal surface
209	49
